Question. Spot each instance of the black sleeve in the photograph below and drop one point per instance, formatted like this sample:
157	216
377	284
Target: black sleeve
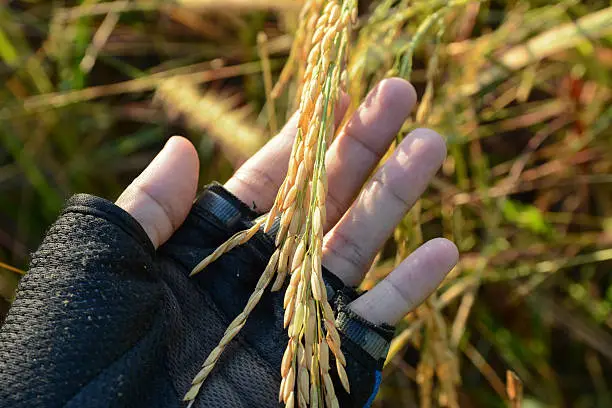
84	314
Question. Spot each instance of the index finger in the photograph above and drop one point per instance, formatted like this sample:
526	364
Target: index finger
259	178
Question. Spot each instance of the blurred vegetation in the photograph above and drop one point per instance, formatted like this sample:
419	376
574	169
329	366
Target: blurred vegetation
521	89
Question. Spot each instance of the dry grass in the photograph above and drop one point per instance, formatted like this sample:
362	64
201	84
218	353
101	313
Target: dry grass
214	113
521	89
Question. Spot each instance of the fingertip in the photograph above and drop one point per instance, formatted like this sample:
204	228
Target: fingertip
445	255
425	268
434	142
179	165
161	196
448	247
182	146
180	157
396	93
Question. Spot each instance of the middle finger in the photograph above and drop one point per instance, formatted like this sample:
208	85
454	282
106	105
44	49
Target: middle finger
363	141
350	247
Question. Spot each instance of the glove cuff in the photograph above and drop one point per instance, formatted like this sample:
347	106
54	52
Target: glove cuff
87	204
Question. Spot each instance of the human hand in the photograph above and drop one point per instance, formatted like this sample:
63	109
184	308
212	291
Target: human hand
161	197
106	317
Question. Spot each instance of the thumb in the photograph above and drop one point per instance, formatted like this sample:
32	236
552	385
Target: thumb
161	197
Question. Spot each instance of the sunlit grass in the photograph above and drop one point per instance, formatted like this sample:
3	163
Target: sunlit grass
521	90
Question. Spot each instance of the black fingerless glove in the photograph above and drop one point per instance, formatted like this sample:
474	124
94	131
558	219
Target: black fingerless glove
103	320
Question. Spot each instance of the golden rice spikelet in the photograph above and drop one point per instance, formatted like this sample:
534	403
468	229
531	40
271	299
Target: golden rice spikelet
308	297
301	47
234	328
239	238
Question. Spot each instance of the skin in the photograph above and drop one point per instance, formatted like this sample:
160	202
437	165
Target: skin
359	218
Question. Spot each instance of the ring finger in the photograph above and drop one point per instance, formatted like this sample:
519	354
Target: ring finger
409	284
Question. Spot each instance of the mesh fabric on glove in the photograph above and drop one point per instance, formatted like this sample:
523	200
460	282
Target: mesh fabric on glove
103	320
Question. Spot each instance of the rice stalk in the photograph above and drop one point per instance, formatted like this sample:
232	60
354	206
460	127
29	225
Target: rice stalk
424	108
240	5
296	63
588	28
514	389
439	363
99	39
95	9
12	268
60	99
299	208
485	369
405	61
264	56
307	310
239	238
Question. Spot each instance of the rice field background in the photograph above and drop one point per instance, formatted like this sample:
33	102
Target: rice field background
522	90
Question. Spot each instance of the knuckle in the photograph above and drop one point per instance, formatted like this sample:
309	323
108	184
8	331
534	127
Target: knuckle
351	251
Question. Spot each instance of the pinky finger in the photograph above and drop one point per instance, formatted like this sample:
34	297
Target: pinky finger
409	284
